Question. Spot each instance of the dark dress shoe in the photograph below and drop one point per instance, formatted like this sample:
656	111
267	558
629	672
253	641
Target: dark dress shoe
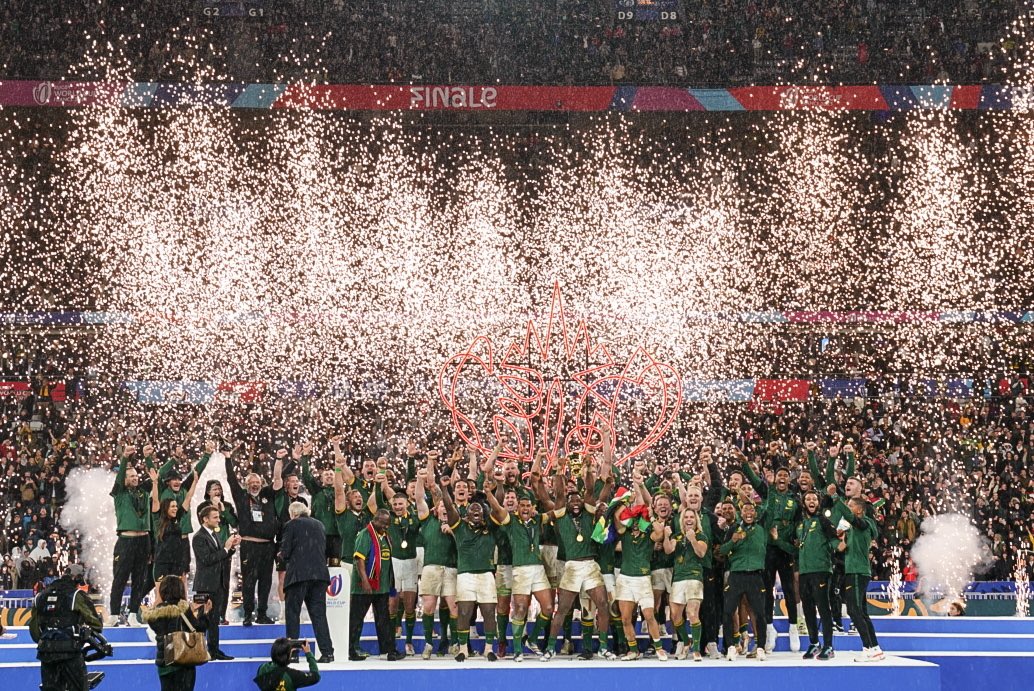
263	619
357	658
325	659
394	656
247	621
220	655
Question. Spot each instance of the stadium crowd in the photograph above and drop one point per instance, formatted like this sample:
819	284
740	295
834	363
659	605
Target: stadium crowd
705	43
918	456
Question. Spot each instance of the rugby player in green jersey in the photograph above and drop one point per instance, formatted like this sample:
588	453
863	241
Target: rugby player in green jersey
633	585
572	515
816	540
689	549
523	528
475	566
855	543
438	576
745	551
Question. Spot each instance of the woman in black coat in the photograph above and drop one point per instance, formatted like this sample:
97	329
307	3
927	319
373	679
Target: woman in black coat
166	617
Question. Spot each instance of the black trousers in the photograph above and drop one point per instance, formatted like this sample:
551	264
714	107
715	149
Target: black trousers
314	595
256	571
710	608
333	550
855	587
180	680
130	566
815	590
361	603
64	675
836	593
213	617
749	584
779	562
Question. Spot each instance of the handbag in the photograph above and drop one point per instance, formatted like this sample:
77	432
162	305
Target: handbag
185	648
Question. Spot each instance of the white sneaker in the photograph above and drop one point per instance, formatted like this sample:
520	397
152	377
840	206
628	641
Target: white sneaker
876	654
761	654
795	640
630	655
518	656
730	654
680	651
567	648
712	651
770	638
428	649
662	654
863	656
409	649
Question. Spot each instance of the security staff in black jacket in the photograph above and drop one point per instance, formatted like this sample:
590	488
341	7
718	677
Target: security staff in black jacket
258	526
63	620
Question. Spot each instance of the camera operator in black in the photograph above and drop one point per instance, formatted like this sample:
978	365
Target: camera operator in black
59	615
257	521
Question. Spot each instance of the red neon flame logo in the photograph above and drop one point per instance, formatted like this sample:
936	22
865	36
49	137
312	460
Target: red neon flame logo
525	409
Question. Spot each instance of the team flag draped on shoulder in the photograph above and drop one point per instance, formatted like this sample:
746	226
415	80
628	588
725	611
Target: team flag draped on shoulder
373	558
603	532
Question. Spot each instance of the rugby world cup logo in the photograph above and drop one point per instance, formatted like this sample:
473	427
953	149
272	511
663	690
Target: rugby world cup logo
43	92
558	391
335	585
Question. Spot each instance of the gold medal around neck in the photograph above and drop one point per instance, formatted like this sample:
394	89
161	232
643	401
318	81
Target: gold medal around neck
580	538
404	544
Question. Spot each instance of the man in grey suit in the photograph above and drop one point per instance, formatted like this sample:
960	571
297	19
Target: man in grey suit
302	549
211	579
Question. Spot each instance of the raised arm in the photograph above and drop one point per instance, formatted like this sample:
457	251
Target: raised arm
340	461
190	490
340	497
120	477
451	514
278	470
422	510
156	503
307	478
498	513
210	448
237	493
538	487
813	462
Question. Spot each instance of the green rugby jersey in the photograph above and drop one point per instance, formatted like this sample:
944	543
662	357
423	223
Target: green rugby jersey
636	552
688	566
439	547
403	531
475	548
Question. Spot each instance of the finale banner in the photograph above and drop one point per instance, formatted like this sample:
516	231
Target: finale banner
461	97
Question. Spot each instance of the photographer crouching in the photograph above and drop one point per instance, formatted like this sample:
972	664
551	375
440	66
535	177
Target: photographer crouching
67	630
276	675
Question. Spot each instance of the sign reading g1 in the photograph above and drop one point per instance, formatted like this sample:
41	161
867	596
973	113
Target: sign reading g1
233	8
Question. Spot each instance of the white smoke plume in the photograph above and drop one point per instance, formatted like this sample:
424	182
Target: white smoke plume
91	511
949	553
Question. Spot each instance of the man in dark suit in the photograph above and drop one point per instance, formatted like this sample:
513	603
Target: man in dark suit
302	549
211	578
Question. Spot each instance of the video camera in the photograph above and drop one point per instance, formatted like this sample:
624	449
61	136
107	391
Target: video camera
95	647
